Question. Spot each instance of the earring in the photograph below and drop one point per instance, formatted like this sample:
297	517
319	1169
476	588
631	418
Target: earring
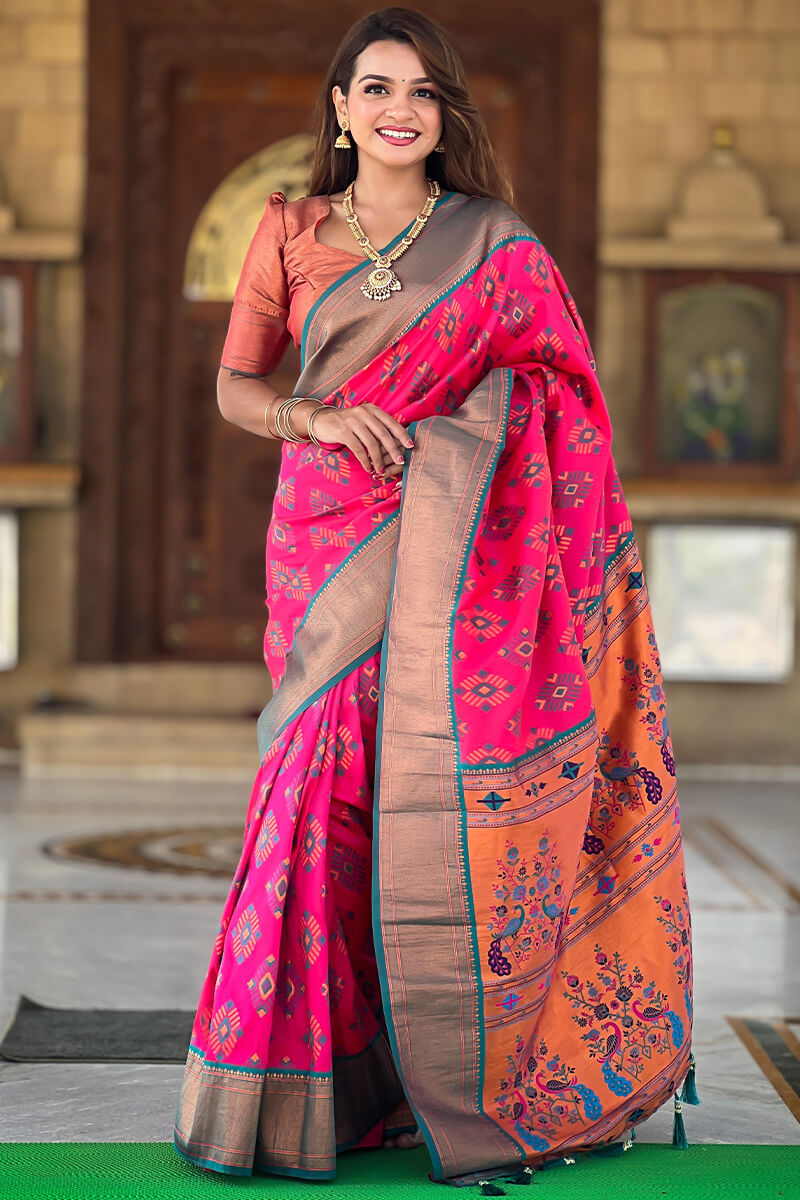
343	141
440	148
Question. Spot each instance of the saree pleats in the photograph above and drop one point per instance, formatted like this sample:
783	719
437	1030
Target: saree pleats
461	899
289	1059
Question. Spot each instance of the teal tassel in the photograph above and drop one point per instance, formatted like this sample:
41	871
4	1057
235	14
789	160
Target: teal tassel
609	1151
679	1138
490	1189
525	1175
689	1094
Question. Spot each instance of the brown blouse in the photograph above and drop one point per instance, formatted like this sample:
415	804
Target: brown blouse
285	271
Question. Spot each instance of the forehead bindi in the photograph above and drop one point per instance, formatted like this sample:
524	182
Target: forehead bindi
390	62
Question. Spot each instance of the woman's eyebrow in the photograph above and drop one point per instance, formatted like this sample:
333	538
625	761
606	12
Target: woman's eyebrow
386	79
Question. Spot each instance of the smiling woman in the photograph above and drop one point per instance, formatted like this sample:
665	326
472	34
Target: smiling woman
449	917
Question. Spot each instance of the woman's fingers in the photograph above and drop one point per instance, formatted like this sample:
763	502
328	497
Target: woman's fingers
372	446
391	434
371	434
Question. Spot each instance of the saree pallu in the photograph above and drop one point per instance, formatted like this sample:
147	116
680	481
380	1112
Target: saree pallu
462	880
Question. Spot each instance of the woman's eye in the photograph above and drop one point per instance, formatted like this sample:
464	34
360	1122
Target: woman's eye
426	93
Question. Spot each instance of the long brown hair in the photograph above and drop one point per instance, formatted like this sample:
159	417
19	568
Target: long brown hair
468	164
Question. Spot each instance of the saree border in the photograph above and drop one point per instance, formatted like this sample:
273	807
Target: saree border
331	620
333	287
431	294
471	1094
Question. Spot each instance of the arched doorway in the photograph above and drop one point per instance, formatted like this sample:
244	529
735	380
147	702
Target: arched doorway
183	95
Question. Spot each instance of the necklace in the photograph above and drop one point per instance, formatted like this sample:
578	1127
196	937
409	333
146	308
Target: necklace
382	281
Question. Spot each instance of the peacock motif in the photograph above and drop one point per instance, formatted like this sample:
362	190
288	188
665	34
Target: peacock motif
529	906
540	1095
627	1022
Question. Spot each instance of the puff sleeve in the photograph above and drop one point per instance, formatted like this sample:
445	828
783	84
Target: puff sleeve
257	334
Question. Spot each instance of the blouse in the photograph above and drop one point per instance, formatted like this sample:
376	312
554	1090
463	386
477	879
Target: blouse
285	271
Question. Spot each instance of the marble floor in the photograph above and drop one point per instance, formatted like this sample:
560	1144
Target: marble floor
77	932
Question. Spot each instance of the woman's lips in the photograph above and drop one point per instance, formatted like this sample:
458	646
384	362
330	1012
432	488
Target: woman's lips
397	141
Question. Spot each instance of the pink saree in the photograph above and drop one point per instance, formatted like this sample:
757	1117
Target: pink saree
462	877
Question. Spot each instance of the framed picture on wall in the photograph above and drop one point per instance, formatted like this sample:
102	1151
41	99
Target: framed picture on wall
17	319
721	370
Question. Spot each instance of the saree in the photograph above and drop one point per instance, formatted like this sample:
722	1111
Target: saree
461	900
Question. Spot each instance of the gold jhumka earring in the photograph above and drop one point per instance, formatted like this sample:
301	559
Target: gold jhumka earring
343	141
440	148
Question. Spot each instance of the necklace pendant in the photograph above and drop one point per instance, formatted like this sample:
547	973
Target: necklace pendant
380	283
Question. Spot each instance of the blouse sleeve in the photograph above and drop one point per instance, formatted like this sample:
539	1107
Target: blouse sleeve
257	335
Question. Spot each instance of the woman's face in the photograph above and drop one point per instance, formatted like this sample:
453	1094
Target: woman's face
394	112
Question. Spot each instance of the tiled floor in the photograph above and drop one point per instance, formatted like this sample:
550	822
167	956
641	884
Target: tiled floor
91	935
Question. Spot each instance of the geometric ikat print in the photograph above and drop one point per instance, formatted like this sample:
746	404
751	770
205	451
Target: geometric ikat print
559	692
572	488
313	843
246	933
481	623
277	886
502	521
348	868
225	1028
520	580
262	987
312	939
484	690
267	838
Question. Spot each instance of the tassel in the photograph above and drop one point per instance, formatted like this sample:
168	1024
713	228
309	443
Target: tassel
525	1175
609	1151
490	1189
679	1138
689	1094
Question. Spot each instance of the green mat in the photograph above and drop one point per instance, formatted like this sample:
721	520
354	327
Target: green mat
154	1171
39	1033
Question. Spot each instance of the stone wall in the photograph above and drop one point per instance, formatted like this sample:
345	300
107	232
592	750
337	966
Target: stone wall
42	132
670	69
673	67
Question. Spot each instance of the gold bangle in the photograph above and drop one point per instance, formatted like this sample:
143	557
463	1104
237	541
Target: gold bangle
282	418
311	416
279	421
268	414
287	419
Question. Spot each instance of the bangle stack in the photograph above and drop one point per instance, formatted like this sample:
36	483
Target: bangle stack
283	413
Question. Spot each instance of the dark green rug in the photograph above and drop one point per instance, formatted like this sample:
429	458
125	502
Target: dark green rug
38	1033
154	1171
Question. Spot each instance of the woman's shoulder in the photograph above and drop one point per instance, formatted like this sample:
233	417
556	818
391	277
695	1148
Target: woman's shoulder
297	214
494	209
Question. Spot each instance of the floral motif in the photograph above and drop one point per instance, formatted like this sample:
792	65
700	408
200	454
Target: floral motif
621	783
643	681
677	922
529	906
541	1095
626	1022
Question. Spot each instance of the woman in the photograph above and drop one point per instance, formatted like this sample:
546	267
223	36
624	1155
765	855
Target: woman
460	906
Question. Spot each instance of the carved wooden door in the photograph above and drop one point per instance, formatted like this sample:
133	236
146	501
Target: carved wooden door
176	501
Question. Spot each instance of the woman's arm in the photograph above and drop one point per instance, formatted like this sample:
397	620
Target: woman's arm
372	434
242	400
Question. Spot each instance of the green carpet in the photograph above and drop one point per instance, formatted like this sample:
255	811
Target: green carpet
153	1171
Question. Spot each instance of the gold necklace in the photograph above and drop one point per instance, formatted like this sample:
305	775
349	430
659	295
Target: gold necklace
381	282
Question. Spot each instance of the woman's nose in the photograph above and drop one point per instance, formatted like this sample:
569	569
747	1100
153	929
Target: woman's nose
400	109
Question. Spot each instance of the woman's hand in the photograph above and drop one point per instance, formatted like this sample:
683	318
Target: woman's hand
374	437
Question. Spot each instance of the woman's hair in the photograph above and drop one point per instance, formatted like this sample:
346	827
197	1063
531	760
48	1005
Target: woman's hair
468	164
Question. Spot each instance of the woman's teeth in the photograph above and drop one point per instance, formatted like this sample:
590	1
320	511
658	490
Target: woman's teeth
392	135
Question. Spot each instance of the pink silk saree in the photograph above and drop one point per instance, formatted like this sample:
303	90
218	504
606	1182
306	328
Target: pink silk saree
462	878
